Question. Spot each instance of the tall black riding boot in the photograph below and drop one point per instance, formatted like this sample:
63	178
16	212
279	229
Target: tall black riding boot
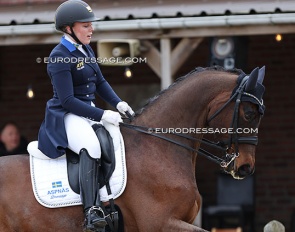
89	192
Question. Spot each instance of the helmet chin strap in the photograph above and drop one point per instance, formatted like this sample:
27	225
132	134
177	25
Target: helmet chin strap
73	35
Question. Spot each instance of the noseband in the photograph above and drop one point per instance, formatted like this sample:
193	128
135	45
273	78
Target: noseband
224	146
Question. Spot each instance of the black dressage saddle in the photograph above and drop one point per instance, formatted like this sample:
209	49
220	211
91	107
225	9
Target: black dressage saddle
108	160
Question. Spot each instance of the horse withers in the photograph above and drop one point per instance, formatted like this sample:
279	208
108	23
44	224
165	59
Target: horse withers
161	192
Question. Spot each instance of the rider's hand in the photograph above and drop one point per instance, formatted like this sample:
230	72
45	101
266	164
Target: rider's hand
123	107
111	117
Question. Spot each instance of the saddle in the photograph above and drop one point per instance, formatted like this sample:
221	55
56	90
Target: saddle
108	160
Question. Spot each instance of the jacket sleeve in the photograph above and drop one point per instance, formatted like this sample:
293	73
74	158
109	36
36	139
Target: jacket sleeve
105	91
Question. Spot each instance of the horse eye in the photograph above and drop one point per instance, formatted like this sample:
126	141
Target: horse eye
249	115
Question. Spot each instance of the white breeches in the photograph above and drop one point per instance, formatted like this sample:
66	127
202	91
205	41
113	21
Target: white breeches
80	135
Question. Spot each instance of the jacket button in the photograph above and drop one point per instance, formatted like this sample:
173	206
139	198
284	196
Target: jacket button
87	86
87	95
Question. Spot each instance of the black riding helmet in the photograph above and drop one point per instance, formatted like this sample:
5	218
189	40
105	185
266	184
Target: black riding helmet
70	12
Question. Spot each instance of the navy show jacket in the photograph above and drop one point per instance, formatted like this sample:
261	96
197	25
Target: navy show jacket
75	79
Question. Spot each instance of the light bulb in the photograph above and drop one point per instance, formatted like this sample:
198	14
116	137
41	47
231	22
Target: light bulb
128	72
30	92
279	37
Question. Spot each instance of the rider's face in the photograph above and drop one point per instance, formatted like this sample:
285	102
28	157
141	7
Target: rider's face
83	31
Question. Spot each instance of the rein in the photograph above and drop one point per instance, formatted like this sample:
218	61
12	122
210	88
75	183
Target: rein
151	131
221	145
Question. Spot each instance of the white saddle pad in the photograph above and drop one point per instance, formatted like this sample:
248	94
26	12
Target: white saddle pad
50	180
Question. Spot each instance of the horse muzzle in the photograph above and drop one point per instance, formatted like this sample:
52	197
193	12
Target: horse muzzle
239	172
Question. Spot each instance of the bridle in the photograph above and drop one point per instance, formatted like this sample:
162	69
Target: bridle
234	138
224	146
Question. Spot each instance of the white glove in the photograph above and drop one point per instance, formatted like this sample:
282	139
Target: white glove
112	117
123	107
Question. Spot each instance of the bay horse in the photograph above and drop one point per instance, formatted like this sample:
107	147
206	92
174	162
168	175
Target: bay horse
161	192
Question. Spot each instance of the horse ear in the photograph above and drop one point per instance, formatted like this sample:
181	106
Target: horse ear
252	80
261	75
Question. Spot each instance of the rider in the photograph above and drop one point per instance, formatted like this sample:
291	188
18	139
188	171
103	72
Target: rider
71	112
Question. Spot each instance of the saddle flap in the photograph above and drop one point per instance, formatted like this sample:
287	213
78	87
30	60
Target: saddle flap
73	170
108	160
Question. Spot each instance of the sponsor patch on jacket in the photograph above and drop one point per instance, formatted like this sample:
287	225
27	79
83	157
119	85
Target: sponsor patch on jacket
80	65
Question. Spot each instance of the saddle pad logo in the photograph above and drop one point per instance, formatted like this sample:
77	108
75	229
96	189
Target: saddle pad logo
57	191
56	184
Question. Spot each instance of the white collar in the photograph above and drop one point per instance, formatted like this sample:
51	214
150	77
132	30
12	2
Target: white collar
68	38
78	46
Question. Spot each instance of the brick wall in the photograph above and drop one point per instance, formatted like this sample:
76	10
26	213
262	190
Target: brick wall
275	162
275	194
18	70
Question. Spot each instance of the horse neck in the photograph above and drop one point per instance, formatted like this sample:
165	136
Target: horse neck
185	104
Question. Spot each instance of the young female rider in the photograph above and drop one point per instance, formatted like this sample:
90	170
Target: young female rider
71	113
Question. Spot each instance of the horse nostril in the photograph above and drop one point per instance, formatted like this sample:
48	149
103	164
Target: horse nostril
245	170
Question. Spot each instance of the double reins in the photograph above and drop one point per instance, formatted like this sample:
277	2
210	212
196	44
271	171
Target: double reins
200	151
224	146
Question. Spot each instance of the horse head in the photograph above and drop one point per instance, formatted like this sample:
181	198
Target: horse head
241	112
